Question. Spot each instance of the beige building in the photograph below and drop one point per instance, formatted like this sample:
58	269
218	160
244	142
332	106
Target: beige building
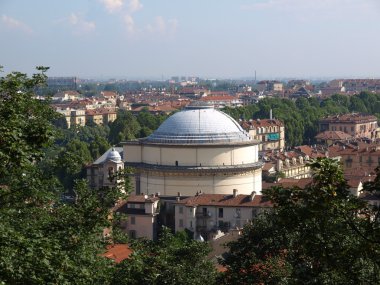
206	214
102	172
270	85
270	133
94	116
197	149
358	157
101	116
141	216
293	163
78	118
73	117
109	115
69	95
357	125
330	137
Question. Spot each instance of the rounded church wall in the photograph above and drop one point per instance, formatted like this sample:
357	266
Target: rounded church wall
199	156
189	185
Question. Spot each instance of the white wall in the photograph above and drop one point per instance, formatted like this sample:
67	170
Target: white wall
189	185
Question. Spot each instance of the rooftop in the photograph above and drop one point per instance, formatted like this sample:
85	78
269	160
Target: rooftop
199	125
352	117
221	200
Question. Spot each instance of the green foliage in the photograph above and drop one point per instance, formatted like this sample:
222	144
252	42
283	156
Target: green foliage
24	121
320	235
302	115
173	259
73	149
71	161
43	240
127	126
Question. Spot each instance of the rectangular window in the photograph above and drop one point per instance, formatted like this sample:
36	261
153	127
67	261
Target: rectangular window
237	213
181	223
204	212
133	220
180	209
142	206
254	213
132	234
132	206
220	213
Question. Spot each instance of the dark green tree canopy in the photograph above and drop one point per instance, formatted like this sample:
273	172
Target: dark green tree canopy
25	122
42	239
320	235
174	259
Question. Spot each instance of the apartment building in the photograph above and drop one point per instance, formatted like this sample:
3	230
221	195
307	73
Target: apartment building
206	214
355	124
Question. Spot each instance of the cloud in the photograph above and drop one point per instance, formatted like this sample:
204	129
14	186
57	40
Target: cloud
129	23
162	26
134	6
113	5
80	25
16	24
118	5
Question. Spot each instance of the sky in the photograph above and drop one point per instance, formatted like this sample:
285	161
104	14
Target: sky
207	38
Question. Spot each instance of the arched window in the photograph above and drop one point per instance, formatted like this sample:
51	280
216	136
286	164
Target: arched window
110	173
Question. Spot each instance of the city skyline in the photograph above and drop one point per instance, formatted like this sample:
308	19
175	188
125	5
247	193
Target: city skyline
213	39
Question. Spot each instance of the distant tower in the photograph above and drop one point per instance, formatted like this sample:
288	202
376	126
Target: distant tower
255	78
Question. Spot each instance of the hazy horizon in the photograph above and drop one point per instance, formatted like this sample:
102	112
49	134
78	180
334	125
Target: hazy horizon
222	39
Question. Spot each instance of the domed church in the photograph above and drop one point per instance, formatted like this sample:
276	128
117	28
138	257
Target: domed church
199	149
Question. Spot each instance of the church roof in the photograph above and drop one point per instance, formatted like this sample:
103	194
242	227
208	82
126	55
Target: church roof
199	125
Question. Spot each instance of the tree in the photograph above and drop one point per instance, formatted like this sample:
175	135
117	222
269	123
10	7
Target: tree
25	122
173	259
125	127
320	235
71	161
42	239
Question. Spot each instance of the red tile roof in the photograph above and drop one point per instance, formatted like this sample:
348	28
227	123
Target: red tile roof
351	117
100	111
259	123
226	201
333	135
108	94
217	98
289	183
118	252
140	199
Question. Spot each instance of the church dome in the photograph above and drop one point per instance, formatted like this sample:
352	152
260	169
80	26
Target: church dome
199	125
114	155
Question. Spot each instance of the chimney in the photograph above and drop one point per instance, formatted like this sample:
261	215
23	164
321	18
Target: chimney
252	196
235	192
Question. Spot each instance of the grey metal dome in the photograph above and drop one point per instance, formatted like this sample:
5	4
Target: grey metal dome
114	155
199	125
